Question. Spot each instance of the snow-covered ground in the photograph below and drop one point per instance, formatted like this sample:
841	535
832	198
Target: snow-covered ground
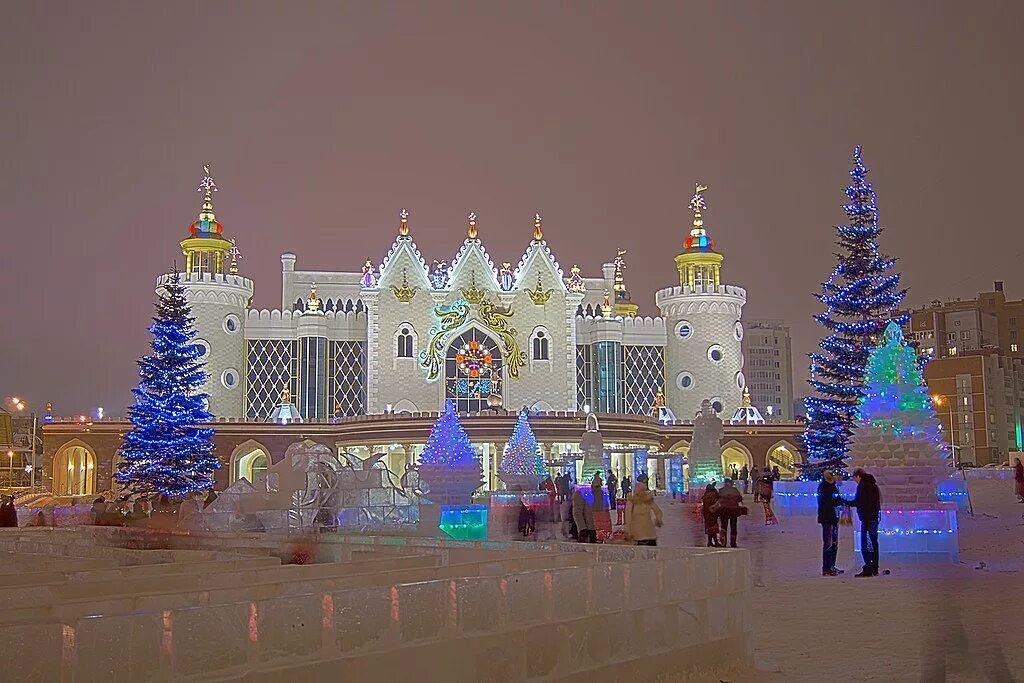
921	623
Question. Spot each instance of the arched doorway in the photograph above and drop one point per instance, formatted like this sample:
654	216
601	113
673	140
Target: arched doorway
250	461
785	456
736	454
74	470
472	371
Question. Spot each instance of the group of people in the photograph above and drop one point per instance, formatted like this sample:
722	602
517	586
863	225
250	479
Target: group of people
585	515
746	479
721	508
868	502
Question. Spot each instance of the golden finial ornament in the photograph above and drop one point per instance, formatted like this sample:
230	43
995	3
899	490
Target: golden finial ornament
207	186
606	305
286	395
620	266
236	255
540	296
405	293
746	397
313	302
471	232
403	226
697	206
473	294
538	232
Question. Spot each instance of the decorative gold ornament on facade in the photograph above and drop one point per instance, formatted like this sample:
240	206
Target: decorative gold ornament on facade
473	294
405	293
576	280
538	232
746	397
449	318
313	301
659	403
497	319
471	232
606	306
540	296
403	226
236	255
699	265
286	394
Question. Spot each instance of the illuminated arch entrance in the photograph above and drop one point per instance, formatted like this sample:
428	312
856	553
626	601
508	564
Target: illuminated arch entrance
250	461
735	453
785	456
472	370
74	470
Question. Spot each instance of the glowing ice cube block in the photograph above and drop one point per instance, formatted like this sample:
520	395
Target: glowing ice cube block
915	533
464	522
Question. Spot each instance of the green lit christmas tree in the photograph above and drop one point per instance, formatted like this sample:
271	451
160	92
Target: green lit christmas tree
898	438
522	463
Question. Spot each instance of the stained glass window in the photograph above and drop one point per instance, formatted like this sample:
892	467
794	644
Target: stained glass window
472	370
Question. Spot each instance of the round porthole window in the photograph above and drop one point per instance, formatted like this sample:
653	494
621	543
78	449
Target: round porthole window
716	405
229	378
737	331
232	324
684	329
715	354
204	348
684	381
741	381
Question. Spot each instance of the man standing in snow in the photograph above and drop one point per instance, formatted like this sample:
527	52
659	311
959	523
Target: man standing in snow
868	502
828	518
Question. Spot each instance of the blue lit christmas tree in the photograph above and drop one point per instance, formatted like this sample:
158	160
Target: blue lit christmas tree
166	451
448	443
861	296
522	456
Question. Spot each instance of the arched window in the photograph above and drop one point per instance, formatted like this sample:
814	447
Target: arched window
540	345
298	305
250	461
472	370
405	341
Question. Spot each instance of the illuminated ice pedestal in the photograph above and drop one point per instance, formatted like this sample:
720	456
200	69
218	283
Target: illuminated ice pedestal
705	454
914	533
464	522
800	498
954	490
503	517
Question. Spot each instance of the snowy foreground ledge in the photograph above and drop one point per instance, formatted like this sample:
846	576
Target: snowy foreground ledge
133	604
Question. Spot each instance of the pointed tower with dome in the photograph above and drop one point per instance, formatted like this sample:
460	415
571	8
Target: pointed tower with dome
703	326
219	297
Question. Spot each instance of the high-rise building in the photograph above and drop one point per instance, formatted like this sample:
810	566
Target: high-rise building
976	375
768	366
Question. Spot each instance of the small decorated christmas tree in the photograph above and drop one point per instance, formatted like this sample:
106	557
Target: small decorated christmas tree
448	443
166	451
522	464
899	439
449	466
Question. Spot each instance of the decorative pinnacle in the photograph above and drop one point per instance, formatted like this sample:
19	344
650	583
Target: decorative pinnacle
697	205
620	266
538	233
472	225
207	186
403	228
236	255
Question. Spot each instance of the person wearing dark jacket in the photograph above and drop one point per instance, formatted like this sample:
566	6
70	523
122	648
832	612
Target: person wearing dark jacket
730	507
868	501
828	517
709	509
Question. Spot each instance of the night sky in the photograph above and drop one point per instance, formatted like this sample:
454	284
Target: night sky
322	120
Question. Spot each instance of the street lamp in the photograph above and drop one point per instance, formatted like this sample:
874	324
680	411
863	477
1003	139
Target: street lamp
939	400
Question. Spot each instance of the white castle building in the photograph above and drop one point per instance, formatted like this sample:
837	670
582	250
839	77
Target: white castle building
403	336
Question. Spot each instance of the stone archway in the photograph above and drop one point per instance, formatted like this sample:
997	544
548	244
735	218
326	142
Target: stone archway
785	456
74	469
735	453
250	460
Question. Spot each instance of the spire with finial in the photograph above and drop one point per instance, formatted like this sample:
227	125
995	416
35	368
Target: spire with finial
698	238
620	267
236	255
746	397
403	226
538	232
313	302
471	232
206	225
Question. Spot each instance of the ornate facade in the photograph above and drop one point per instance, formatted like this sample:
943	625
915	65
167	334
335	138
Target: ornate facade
403	336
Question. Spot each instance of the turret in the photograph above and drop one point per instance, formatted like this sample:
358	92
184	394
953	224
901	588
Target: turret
219	297
703	326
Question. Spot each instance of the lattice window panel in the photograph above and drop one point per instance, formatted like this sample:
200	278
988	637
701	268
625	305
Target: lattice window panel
644	369
348	378
271	365
582	376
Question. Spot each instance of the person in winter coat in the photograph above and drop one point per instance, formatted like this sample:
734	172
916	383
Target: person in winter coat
745	478
527	520
1018	480
868	501
640	526
709	510
583	516
730	507
627	486
597	488
828	517
8	512
613	489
